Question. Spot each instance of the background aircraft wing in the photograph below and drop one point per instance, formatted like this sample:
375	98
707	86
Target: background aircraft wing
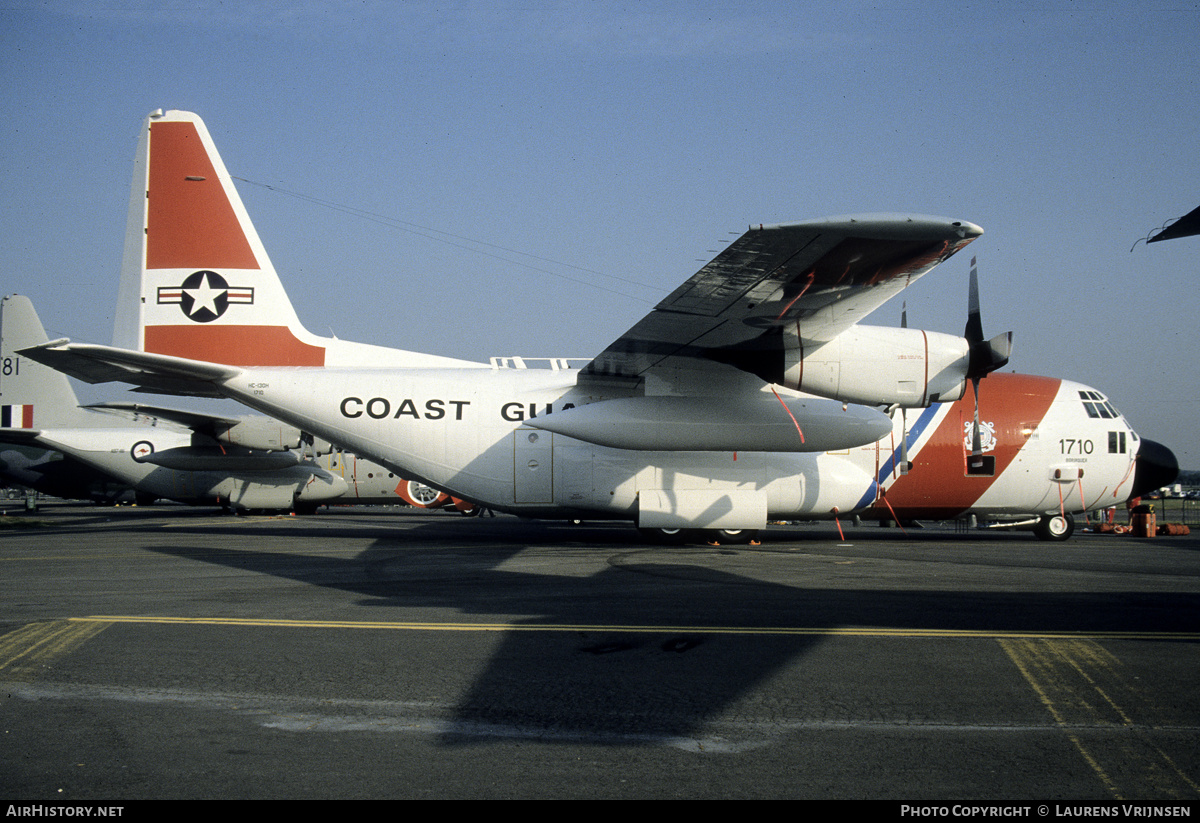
197	421
1185	226
818	277
21	437
252	432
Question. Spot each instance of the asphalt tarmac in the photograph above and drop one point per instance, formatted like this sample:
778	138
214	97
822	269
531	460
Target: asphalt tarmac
168	652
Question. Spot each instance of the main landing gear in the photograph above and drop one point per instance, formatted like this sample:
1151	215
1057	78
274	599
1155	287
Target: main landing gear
677	537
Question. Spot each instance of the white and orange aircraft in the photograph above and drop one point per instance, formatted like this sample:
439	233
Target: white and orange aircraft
752	392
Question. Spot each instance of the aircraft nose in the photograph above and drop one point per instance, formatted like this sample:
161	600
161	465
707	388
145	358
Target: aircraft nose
1155	467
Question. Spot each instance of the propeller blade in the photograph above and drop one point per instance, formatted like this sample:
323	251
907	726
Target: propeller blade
974	330
985	356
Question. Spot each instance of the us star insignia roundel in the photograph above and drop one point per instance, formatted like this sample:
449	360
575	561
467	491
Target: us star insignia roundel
204	296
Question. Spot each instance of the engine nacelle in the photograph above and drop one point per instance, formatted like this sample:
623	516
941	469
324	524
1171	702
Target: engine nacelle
876	365
265	434
261	434
282	490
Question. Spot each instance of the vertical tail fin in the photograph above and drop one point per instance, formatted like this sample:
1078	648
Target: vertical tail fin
196	281
31	395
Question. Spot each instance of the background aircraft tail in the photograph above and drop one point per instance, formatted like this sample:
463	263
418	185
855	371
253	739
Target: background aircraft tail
196	281
31	395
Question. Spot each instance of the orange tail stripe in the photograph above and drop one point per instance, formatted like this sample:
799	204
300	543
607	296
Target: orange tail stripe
191	223
234	345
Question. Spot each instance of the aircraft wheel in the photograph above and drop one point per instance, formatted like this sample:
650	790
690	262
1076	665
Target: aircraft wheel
736	537
1055	527
421	494
672	537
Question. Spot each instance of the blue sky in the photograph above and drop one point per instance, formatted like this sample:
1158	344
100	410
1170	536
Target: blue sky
478	179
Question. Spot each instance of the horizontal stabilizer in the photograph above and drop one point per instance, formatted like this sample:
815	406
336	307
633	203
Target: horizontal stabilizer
158	372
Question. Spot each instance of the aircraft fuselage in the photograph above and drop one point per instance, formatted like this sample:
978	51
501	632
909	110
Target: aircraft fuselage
477	439
163	462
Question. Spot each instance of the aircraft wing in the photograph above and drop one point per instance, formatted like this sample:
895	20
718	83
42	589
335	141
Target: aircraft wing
818	278
20	437
1185	226
160	373
197	421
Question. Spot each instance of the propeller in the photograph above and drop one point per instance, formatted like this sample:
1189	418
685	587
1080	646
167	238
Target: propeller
308	448
984	357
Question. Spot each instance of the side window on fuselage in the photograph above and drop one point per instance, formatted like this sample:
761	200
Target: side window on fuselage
1117	443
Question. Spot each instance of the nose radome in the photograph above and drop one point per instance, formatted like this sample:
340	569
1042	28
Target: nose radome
1155	467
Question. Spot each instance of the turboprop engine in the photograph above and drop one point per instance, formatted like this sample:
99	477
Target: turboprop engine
267	434
876	365
301	486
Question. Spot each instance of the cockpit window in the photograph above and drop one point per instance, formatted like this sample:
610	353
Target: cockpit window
1096	406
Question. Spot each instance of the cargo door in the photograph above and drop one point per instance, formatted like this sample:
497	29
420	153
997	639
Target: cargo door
533	466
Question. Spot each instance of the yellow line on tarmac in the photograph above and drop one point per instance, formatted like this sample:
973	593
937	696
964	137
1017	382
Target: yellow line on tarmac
32	646
830	631
1084	687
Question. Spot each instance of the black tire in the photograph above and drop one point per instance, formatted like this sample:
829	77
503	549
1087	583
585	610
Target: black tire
736	537
670	537
1055	527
